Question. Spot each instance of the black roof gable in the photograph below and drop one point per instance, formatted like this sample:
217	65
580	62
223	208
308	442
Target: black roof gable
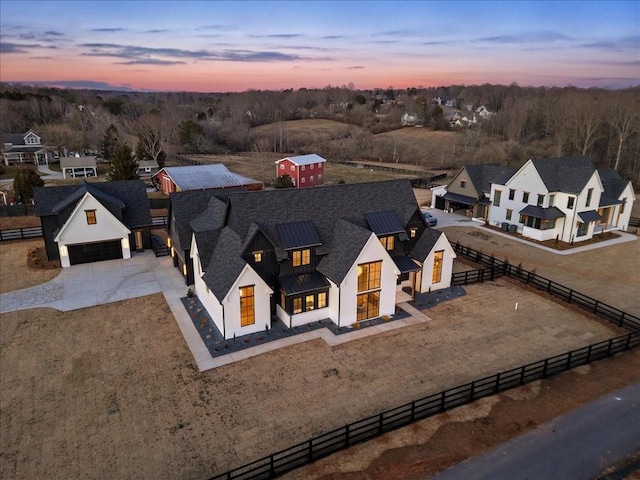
129	195
565	174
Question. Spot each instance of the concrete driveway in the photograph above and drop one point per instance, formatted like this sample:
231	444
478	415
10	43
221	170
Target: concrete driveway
92	284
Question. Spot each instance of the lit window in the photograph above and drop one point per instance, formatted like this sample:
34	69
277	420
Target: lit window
413	232
369	276
509	212
297	305
525	197
247	306
282	166
496	198
283	300
322	300
438	260
512	194
388	242
91	217
293	168
310	302
311	179
257	256
301	257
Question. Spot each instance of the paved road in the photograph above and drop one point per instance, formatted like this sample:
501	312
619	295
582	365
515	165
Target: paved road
576	446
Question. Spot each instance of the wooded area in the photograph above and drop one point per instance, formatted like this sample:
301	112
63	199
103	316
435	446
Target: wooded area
525	122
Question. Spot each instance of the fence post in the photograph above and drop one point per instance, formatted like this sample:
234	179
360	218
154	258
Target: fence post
528	277
381	422
622	319
466	277
570	295
413	411
544	370
497	388
549	286
609	345
271	466
522	375
472	391
595	308
569	359
442	400
492	272
589	354
347	434
626	345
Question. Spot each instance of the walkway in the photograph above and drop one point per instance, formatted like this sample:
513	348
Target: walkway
578	445
454	220
49	174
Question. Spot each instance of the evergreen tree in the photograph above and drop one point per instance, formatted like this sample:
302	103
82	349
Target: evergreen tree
23	184
109	143
124	165
285	181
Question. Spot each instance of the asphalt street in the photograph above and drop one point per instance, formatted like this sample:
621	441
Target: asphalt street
575	446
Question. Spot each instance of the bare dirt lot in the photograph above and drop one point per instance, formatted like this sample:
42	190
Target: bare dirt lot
610	274
104	393
14	271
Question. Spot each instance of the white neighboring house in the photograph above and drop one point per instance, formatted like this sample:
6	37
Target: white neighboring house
24	148
557	198
340	252
78	166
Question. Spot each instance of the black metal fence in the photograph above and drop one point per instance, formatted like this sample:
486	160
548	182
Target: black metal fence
496	268
368	428
634	222
20	233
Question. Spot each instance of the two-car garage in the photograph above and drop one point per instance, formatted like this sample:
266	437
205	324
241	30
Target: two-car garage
94	252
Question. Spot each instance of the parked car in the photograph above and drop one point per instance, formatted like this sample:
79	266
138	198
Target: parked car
430	219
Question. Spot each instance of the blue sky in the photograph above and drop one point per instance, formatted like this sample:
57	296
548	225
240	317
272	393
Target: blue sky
240	45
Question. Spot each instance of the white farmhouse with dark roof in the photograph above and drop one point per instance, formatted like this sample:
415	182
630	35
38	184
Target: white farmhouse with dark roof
340	252
24	148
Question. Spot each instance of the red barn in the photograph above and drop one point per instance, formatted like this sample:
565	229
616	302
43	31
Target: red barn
201	177
305	170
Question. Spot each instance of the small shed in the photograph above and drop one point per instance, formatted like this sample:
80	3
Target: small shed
78	166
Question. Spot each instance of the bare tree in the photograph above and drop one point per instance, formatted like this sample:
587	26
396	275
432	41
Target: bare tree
150	132
623	117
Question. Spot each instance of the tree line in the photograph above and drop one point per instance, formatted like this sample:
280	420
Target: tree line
526	122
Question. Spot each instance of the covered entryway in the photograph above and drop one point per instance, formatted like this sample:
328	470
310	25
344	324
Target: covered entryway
94	252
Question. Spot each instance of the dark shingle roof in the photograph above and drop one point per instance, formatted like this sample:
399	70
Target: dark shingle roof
565	174
130	195
185	207
589	216
225	265
425	244
347	243
206	243
612	183
405	264
211	218
482	176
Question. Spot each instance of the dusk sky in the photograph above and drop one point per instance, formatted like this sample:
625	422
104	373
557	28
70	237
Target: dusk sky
241	45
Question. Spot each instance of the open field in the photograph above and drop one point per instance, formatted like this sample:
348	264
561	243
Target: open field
317	130
102	393
261	167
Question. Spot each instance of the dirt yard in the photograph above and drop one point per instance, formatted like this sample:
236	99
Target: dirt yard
102	393
14	272
610	274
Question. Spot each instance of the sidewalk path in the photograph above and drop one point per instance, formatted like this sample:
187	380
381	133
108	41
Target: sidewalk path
578	445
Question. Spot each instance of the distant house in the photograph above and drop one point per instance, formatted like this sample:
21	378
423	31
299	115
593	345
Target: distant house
24	148
470	189
408	120
561	198
305	170
78	166
94	221
342	253
147	168
483	112
201	177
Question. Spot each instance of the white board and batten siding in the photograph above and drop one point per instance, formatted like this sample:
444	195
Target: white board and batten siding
76	230
426	282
